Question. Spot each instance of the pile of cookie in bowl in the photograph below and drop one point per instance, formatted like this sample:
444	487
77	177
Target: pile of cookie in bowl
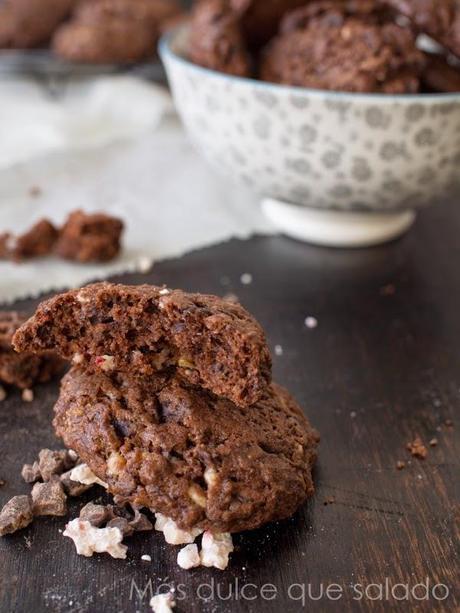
169	405
342	45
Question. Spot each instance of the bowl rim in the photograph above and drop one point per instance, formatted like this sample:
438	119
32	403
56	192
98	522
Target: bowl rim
166	52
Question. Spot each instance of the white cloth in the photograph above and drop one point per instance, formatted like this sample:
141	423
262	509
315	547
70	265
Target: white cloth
112	145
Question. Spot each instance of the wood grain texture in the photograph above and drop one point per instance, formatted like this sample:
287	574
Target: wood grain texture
378	370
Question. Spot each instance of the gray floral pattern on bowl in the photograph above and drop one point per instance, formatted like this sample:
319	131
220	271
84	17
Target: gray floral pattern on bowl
351	152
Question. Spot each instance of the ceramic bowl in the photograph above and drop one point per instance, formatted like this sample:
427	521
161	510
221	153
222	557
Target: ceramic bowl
332	168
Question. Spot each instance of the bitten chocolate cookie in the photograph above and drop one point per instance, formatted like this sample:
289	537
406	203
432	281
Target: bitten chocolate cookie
145	329
116	41
30	23
216	40
163	444
25	369
343	46
440	19
87	237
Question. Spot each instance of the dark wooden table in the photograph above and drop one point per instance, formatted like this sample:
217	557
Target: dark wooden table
381	368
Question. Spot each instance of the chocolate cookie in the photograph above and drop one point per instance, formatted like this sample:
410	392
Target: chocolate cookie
164	444
36	242
30	23
216	40
440	19
336	46
115	41
25	369
145	329
87	237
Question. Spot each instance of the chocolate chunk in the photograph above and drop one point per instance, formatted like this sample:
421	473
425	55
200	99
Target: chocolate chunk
52	463
15	515
25	369
31	473
141	522
144	330
122	524
73	488
96	514
188	454
89	237
49	498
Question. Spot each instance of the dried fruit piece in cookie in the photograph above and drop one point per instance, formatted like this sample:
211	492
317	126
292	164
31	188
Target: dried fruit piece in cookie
25	369
145	329
187	454
216	40
329	46
90	237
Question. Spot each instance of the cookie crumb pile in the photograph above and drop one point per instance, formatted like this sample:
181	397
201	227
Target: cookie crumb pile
185	422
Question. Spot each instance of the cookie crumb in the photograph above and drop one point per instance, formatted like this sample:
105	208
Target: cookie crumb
172	533
448	423
163	603
89	540
417	448
353	414
311	322
2	482
146	558
329	500
400	465
15	515
278	350
433	442
215	549
2	393
189	557
96	514
31	473
35	191
27	395
140	522
246	278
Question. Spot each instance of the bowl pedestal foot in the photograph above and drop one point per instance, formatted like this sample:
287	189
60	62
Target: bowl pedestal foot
337	228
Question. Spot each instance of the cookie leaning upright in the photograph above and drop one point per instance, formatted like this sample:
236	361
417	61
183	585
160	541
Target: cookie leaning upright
144	330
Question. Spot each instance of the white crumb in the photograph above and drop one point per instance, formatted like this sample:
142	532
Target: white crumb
278	350
311	322
106	362
164	292
27	395
83	474
215	549
353	414
189	557
163	603
78	358
246	278
2	393
172	533
89	540
82	298
146	558
73	455
144	263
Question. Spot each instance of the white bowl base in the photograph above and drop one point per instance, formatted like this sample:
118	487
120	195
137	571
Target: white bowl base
337	228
